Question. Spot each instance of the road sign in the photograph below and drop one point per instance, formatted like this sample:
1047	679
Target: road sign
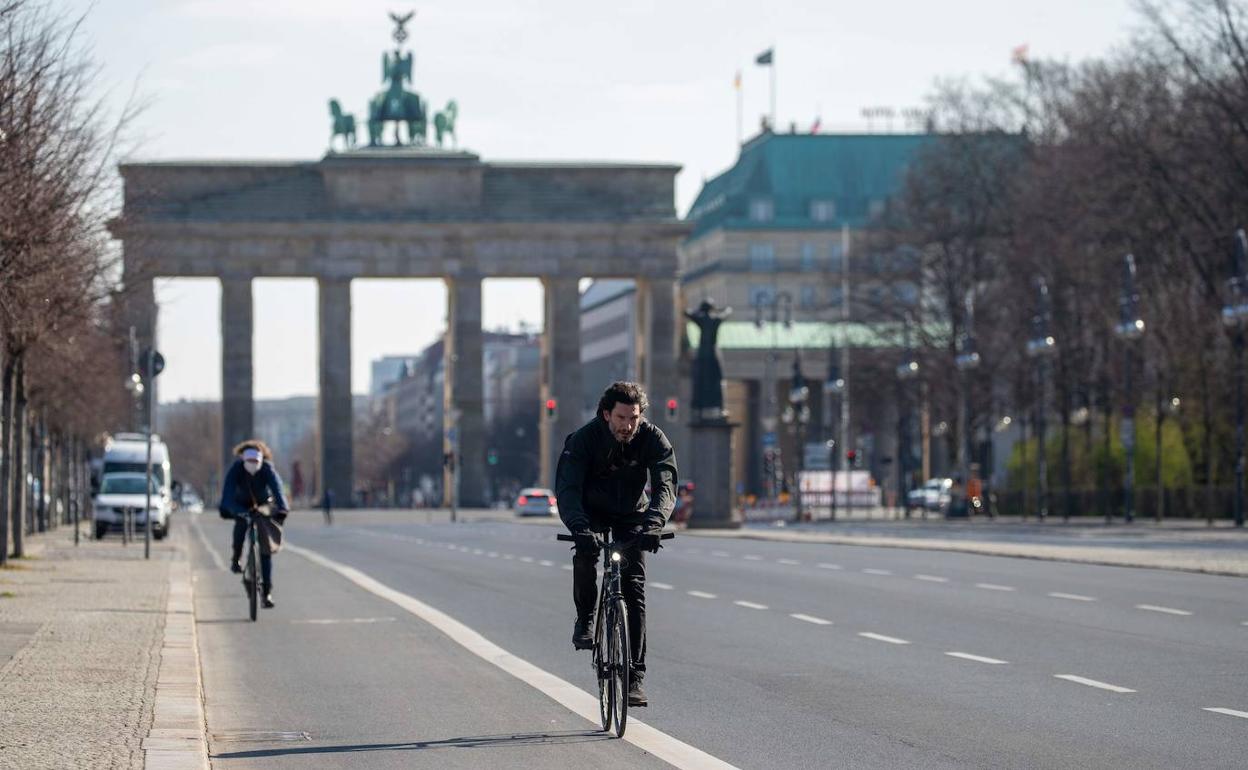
158	363
452	434
769	438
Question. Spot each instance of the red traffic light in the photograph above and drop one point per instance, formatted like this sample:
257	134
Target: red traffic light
551	403
551	407
671	408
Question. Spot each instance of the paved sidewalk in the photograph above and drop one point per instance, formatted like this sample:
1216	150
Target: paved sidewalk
89	656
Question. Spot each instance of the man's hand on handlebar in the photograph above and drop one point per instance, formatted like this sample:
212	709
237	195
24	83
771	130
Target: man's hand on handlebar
586	540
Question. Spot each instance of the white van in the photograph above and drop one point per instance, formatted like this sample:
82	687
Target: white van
127	453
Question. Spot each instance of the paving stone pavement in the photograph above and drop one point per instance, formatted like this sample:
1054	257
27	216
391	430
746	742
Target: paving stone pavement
86	628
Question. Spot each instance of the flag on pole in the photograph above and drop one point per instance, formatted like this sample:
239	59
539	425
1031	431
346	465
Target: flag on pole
814	129
1019	54
736	81
765	57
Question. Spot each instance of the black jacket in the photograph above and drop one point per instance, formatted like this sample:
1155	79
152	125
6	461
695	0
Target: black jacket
241	490
601	479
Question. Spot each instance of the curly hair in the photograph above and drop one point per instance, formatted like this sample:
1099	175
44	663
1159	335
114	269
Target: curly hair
255	443
623	393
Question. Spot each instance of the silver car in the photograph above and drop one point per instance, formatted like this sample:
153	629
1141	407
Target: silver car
932	496
536	502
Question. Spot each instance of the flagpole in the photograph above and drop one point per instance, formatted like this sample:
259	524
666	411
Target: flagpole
740	109
772	67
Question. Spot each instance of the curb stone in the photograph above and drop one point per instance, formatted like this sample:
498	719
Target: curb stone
177	739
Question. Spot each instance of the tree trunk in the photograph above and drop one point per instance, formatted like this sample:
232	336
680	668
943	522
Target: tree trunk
1206	417
20	435
1161	485
6	454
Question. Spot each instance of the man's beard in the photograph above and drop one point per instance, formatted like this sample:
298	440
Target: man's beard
625	437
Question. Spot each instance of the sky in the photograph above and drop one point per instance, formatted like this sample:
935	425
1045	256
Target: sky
534	80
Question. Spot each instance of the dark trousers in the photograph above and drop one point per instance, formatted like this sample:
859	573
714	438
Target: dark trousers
266	559
632	584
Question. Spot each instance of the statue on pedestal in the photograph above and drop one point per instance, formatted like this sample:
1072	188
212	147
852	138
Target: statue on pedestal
708	372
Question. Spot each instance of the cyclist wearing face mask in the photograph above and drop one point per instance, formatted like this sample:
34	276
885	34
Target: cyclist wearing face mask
250	483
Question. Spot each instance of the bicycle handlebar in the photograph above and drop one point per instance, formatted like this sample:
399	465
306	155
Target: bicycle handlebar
572	539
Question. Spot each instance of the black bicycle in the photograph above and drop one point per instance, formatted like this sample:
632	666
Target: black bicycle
251	572
611	648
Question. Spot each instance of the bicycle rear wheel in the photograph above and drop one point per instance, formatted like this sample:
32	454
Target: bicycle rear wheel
617	646
252	577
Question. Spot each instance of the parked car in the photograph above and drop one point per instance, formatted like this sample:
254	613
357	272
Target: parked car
122	493
932	496
536	502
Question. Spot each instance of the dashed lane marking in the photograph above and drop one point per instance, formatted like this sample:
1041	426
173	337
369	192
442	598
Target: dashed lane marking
825	565
882	638
750	605
932	578
568	567
701	594
977	658
790	562
1072	597
871	571
994	587
1092	683
526	559
752	557
1228	712
546	563
810	619
661	586
719	553
576	700
1163	610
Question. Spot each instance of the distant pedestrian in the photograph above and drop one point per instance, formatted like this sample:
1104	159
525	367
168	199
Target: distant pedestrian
327	506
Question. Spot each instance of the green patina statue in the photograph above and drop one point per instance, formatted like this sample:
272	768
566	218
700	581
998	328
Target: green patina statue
343	125
396	104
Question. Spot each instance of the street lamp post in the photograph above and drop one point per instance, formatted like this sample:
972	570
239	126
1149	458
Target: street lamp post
1233	314
967	361
771	408
797	413
1041	347
1129	329
834	386
907	370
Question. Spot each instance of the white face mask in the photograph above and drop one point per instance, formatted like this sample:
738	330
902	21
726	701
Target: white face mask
252	466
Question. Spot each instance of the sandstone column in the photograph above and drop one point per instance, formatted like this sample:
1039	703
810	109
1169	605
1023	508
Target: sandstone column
657	349
237	408
336	418
464	428
561	371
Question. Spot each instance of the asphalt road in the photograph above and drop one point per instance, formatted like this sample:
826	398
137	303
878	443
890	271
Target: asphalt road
762	654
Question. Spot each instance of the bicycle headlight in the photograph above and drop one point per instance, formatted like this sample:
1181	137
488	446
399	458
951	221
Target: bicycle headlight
615	556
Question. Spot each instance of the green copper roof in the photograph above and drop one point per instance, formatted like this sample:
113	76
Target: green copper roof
808	335
853	171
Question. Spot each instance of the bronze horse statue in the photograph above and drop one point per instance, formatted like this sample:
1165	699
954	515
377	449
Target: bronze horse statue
396	104
343	124
444	122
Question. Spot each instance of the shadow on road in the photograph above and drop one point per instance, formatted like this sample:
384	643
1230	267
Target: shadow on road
468	742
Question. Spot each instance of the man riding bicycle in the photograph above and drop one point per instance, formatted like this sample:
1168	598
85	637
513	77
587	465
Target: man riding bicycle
600	484
250	483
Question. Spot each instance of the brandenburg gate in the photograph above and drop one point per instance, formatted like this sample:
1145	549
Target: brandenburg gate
411	212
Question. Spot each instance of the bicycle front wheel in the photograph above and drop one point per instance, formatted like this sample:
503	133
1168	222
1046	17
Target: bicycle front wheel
601	669
618	657
253	572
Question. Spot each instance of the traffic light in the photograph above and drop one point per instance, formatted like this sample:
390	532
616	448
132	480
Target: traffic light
672	408
552	408
492	457
852	458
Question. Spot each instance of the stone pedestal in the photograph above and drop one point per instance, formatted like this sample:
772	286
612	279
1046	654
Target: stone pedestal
709	467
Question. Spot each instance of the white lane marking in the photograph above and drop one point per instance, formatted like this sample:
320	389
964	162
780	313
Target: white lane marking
1228	712
546	563
976	658
751	605
203	540
753	557
871	571
526	559
576	700
492	554
788	561
882	637
1165	610
932	578
810	619
825	565
701	594
1072	597
568	567
994	587
1092	683
661	586
477	552
334	621
719	553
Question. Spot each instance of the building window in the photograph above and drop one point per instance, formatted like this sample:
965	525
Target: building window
823	211
807	298
808	257
762	210
835	296
762	258
763	295
835	255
